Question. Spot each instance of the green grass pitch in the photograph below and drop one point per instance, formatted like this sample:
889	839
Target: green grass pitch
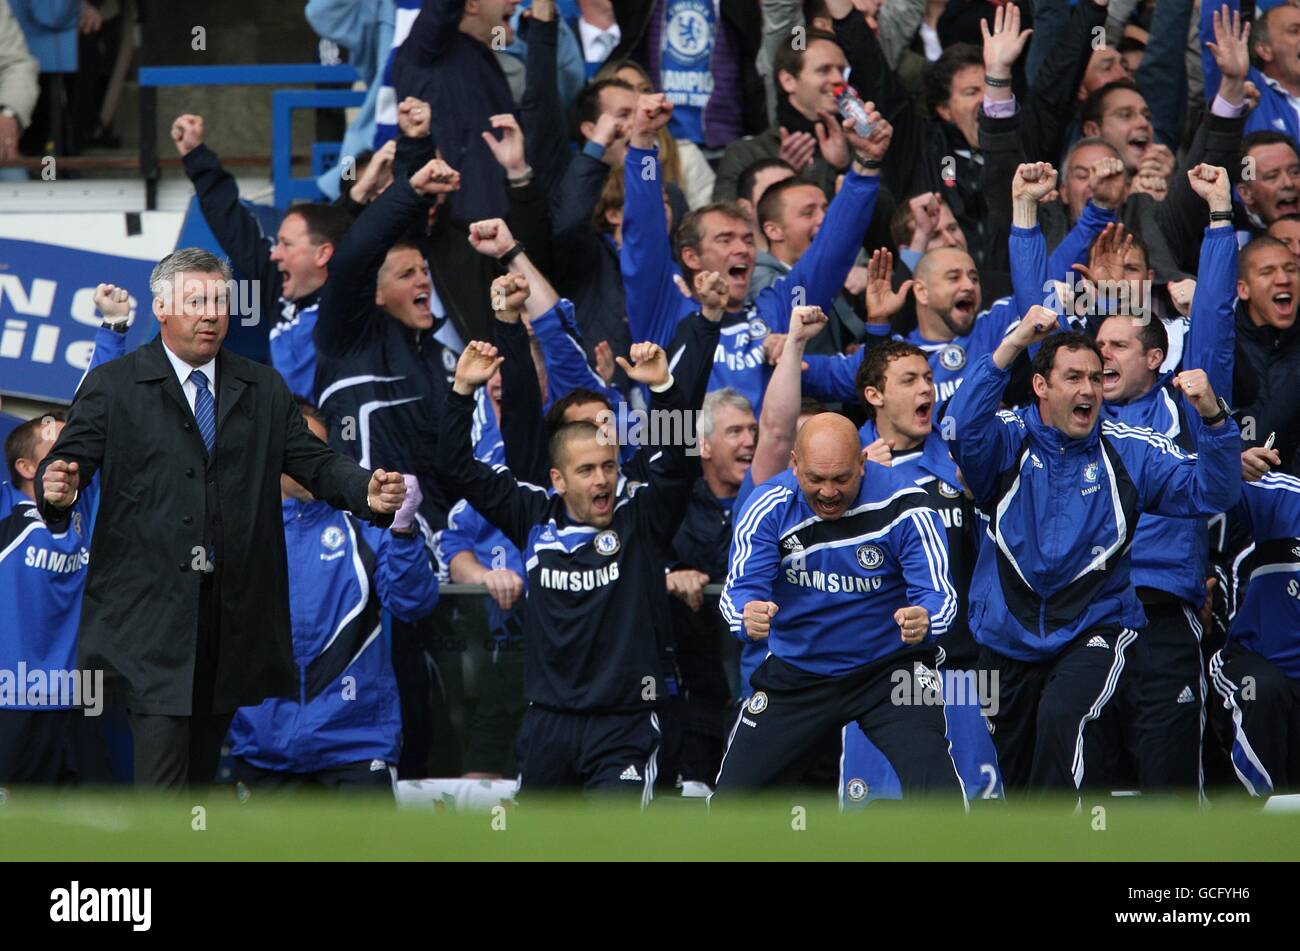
84	826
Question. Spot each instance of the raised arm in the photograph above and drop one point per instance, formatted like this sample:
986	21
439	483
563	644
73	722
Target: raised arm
1107	182
566	362
522	431
985	440
1050	103
431	33
1211	337
876	82
1205	484
690	356
78	453
541	107
114	305
236	229
672	467
1028	249
511	506
654	305
1182	216
781	401
1031	266
551	318
835	377
820	271
348	298
528	193
414	146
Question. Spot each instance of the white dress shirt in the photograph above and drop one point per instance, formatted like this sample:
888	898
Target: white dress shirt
597	44
183	371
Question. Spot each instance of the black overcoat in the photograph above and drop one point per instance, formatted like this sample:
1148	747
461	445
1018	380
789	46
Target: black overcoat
164	503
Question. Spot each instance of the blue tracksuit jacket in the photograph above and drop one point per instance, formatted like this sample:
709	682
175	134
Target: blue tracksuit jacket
838	583
43	573
655	306
341	572
1267	621
1063	514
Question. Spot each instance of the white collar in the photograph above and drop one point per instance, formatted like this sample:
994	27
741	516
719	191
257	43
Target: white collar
590	33
183	369
1274	84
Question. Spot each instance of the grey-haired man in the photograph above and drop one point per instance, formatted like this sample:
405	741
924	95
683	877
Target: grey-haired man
186	606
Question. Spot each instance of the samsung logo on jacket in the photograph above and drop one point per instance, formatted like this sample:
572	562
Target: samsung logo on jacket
831	582
56	561
578	580
838	582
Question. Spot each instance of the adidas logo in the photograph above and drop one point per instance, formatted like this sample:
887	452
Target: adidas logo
1098	641
792	544
1187	696
631	775
377	764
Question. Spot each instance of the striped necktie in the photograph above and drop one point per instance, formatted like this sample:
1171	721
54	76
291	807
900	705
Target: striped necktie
205	412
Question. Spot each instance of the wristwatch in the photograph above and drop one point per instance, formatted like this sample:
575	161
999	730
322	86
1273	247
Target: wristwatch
1218	417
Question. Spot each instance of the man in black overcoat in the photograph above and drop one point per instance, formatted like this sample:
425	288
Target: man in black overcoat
186	608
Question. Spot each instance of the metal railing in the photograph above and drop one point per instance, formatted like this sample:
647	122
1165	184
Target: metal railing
152	78
456	588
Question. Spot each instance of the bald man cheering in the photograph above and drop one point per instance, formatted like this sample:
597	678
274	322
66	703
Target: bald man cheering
842	569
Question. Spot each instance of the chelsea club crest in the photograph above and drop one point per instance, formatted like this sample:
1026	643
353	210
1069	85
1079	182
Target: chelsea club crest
948	491
856	789
332	538
757	703
757	329
1090	472
870	557
607	542
952	357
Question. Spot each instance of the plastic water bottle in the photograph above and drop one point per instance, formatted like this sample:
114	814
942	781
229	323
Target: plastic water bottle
851	107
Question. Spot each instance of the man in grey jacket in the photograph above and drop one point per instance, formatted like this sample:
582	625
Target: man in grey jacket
18	83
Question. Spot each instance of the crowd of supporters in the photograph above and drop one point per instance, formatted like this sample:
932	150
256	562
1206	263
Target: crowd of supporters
1028	272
